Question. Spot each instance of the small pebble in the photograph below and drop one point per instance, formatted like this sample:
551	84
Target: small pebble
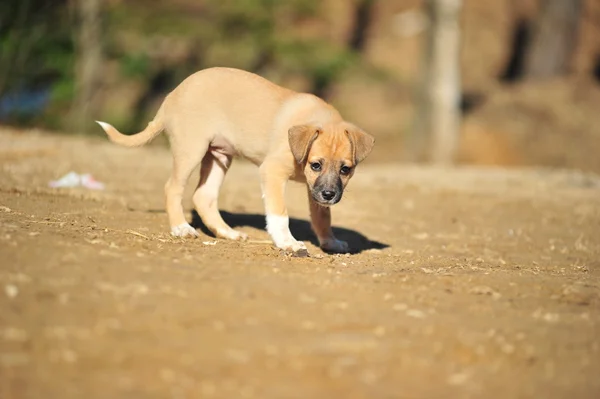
14	334
484	290
417	314
421	236
308	325
13	359
304	298
69	356
400	306
373	251
379	331
458	379
11	290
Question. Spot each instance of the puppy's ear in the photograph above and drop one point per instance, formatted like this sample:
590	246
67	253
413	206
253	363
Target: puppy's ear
301	138
362	142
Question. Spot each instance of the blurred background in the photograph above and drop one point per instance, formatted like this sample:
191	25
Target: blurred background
488	82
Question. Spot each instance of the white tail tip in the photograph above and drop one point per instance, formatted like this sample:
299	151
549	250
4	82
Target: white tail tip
104	125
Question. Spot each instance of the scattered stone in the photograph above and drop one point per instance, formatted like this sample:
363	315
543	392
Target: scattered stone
458	379
484	290
11	290
304	298
507	348
369	377
14	334
545	316
308	325
417	314
20	278
218	325
69	356
379	331
167	375
5	209
301	253
13	359
237	356
373	251
63	298
207	388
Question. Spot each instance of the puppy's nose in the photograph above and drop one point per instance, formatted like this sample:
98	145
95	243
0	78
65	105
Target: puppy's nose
327	195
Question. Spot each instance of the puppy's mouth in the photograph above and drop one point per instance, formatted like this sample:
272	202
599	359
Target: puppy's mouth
326	197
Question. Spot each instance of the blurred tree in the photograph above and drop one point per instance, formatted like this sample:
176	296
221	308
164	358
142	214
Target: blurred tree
35	53
326	75
88	78
554	38
363	14
436	132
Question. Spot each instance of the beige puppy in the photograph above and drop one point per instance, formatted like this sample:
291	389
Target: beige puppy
219	113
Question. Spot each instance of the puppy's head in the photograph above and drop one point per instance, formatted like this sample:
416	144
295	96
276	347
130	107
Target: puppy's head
328	155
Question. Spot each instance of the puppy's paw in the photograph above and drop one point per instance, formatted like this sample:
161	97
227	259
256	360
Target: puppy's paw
184	230
335	245
231	234
298	248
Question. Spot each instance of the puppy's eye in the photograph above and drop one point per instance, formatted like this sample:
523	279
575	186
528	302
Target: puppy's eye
345	170
316	166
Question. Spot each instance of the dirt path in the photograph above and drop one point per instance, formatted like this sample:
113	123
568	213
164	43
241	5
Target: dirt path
469	283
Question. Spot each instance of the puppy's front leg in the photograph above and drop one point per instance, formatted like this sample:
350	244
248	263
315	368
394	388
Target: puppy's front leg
321	224
273	184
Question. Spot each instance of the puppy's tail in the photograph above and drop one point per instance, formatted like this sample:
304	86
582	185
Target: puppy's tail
135	140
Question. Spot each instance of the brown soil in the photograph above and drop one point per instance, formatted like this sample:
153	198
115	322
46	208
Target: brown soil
468	283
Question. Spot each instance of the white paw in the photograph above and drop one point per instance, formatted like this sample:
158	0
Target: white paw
334	245
277	226
292	245
184	230
231	234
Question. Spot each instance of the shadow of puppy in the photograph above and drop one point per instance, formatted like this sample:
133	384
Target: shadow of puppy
300	229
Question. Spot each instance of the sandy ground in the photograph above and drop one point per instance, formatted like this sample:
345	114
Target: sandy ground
466	283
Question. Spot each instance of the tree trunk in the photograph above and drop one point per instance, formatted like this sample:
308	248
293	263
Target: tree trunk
88	63
554	39
363	18
438	110
363	15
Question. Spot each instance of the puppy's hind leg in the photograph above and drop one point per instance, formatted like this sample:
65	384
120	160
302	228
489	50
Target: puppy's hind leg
185	159
212	173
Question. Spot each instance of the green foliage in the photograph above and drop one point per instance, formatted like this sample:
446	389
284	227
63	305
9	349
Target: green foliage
135	65
36	49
